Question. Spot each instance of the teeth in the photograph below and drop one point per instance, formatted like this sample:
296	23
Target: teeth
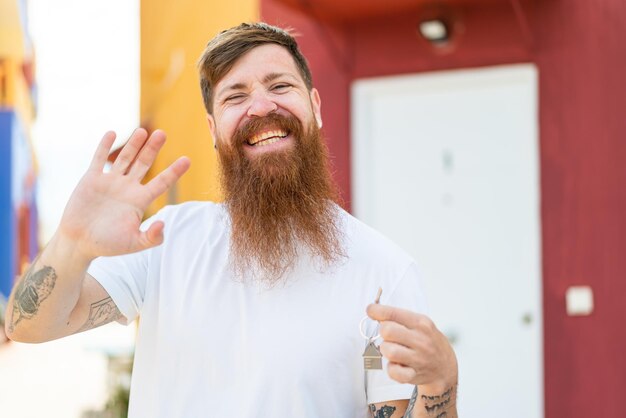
275	135
267	142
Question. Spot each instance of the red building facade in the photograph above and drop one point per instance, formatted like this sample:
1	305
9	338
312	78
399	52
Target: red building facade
578	48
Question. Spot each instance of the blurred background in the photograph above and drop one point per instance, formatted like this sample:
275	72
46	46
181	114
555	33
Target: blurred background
486	137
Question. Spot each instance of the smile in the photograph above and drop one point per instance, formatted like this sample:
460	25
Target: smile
267	137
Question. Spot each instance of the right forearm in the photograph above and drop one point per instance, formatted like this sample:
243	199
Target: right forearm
43	298
102	218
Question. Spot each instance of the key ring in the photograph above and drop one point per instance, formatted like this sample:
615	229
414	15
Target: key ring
372	357
370	339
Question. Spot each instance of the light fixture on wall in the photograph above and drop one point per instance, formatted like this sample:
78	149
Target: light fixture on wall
435	31
440	25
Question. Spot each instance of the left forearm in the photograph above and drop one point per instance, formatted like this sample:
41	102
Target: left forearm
421	405
426	403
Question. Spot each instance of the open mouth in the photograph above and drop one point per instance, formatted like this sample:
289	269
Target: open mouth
267	137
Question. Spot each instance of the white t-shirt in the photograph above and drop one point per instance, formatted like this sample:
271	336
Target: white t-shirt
210	346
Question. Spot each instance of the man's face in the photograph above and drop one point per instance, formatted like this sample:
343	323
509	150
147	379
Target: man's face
265	80
277	185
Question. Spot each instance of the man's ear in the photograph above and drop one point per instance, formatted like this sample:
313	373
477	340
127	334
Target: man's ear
211	122
316	103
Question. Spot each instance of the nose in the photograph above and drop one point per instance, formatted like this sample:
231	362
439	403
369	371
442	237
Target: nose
261	106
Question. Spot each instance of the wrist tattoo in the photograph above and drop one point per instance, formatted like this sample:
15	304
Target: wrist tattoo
438	406
385	411
33	289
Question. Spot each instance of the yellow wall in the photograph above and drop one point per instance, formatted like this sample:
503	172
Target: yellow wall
173	35
11	32
15	53
15	92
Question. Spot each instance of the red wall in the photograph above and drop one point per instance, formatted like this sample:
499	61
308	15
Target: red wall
581	55
579	47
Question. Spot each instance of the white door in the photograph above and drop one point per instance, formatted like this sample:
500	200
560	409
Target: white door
446	165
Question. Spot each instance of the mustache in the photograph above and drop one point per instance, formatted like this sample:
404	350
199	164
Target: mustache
288	123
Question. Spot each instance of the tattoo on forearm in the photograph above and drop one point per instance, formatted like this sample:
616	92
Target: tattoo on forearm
438	406
33	289
385	411
409	408
101	313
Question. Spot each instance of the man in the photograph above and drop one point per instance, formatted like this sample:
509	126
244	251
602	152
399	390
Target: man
251	307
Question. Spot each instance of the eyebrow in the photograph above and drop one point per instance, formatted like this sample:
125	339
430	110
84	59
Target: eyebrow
267	79
273	76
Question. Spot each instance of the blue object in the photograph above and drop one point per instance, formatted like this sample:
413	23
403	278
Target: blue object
17	189
8	225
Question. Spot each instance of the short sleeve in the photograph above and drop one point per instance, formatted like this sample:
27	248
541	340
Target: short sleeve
124	277
408	294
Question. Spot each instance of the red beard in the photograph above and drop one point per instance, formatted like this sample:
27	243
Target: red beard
279	201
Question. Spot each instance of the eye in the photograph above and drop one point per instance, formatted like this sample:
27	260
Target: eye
280	87
235	98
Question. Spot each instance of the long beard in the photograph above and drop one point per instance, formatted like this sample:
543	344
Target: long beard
279	202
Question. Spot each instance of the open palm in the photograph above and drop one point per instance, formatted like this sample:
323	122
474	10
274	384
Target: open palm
105	210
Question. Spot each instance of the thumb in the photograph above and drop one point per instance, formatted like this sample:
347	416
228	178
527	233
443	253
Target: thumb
153	236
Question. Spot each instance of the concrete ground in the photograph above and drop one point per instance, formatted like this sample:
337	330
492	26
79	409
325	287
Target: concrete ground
60	379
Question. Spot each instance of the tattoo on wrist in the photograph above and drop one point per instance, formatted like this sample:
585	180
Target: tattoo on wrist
385	411
101	313
438	405
33	289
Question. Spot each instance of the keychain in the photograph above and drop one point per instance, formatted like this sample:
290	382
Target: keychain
372	358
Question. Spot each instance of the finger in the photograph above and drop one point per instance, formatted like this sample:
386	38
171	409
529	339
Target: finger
129	151
147	155
397	353
149	238
154	233
165	179
102	152
402	316
397	333
401	373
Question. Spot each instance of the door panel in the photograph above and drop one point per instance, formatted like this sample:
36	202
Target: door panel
446	165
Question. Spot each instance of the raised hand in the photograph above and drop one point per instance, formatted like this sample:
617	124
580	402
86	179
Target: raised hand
105	210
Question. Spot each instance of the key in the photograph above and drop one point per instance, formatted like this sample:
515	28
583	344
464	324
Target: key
372	358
